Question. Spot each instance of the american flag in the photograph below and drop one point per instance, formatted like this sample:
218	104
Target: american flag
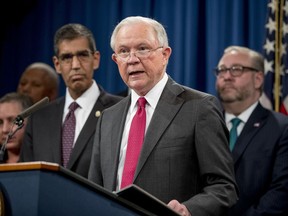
275	95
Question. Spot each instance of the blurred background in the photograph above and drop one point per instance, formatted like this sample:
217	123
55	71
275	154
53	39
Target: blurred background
198	32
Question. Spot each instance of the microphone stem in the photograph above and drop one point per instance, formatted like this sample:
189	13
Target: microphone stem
10	134
20	123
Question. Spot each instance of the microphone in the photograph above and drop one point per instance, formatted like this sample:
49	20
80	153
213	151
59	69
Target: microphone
35	107
19	120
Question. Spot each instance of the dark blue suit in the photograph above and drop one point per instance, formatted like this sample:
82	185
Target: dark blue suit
42	139
261	165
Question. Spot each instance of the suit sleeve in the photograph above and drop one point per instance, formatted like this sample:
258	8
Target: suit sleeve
94	173
219	190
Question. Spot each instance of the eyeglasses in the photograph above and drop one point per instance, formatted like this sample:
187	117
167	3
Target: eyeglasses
235	71
82	56
124	55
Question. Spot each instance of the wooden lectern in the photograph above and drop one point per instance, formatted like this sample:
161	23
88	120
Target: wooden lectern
40	189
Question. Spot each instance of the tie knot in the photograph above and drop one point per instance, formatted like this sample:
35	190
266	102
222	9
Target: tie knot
73	106
235	122
142	102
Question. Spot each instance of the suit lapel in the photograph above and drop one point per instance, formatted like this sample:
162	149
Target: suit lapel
168	106
119	120
55	133
86	132
255	122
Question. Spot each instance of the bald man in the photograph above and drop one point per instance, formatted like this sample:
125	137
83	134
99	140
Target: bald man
39	80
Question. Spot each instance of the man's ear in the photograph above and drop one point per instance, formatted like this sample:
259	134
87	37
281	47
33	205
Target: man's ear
259	79
56	64
166	54
114	58
96	60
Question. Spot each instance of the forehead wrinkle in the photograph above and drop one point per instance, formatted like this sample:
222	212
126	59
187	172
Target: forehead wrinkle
128	35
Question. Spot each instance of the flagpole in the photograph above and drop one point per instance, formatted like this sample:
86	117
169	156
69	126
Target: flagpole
278	44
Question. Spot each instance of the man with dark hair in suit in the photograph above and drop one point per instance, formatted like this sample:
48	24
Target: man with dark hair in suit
260	152
49	135
179	152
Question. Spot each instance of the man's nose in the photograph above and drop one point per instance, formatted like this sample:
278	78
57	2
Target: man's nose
75	62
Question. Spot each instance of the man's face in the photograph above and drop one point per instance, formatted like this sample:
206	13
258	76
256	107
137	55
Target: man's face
34	84
76	63
140	73
243	88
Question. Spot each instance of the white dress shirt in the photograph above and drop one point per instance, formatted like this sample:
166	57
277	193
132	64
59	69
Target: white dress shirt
152	98
244	116
86	103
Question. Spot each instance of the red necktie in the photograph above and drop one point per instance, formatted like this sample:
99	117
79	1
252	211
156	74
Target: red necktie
68	133
135	141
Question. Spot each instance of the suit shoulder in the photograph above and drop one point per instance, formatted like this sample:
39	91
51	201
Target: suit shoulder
197	93
193	94
174	88
108	99
182	92
120	105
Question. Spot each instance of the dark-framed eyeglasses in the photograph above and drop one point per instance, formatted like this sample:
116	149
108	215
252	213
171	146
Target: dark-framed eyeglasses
82	56
235	71
124	55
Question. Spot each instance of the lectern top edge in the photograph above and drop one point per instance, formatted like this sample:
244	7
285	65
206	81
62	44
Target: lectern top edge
29	166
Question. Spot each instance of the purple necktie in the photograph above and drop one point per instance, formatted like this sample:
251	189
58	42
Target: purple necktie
135	141
68	133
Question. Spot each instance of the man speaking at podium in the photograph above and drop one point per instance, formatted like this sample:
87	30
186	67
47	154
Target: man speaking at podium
168	139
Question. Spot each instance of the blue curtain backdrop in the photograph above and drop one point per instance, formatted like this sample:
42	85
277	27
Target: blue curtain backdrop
198	32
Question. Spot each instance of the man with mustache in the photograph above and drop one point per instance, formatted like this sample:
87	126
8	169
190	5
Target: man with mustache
260	152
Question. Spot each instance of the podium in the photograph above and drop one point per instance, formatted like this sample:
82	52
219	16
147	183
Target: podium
41	188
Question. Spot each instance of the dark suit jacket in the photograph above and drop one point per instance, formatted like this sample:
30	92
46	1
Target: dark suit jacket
42	139
185	154
261	165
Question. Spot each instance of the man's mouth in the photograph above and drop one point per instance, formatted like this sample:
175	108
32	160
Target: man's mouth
135	72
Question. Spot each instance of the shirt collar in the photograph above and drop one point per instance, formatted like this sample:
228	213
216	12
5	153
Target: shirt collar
89	96
244	116
152	96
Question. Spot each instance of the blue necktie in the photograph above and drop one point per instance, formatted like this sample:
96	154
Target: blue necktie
233	132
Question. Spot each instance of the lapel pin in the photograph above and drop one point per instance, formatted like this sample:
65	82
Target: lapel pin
97	113
256	124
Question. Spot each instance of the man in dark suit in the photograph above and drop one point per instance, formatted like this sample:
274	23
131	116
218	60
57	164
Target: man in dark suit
185	159
75	59
261	151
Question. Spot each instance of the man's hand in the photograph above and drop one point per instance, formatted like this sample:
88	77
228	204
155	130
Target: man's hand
179	208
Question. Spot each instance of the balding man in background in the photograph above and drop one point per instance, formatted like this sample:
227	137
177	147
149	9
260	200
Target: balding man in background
39	80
